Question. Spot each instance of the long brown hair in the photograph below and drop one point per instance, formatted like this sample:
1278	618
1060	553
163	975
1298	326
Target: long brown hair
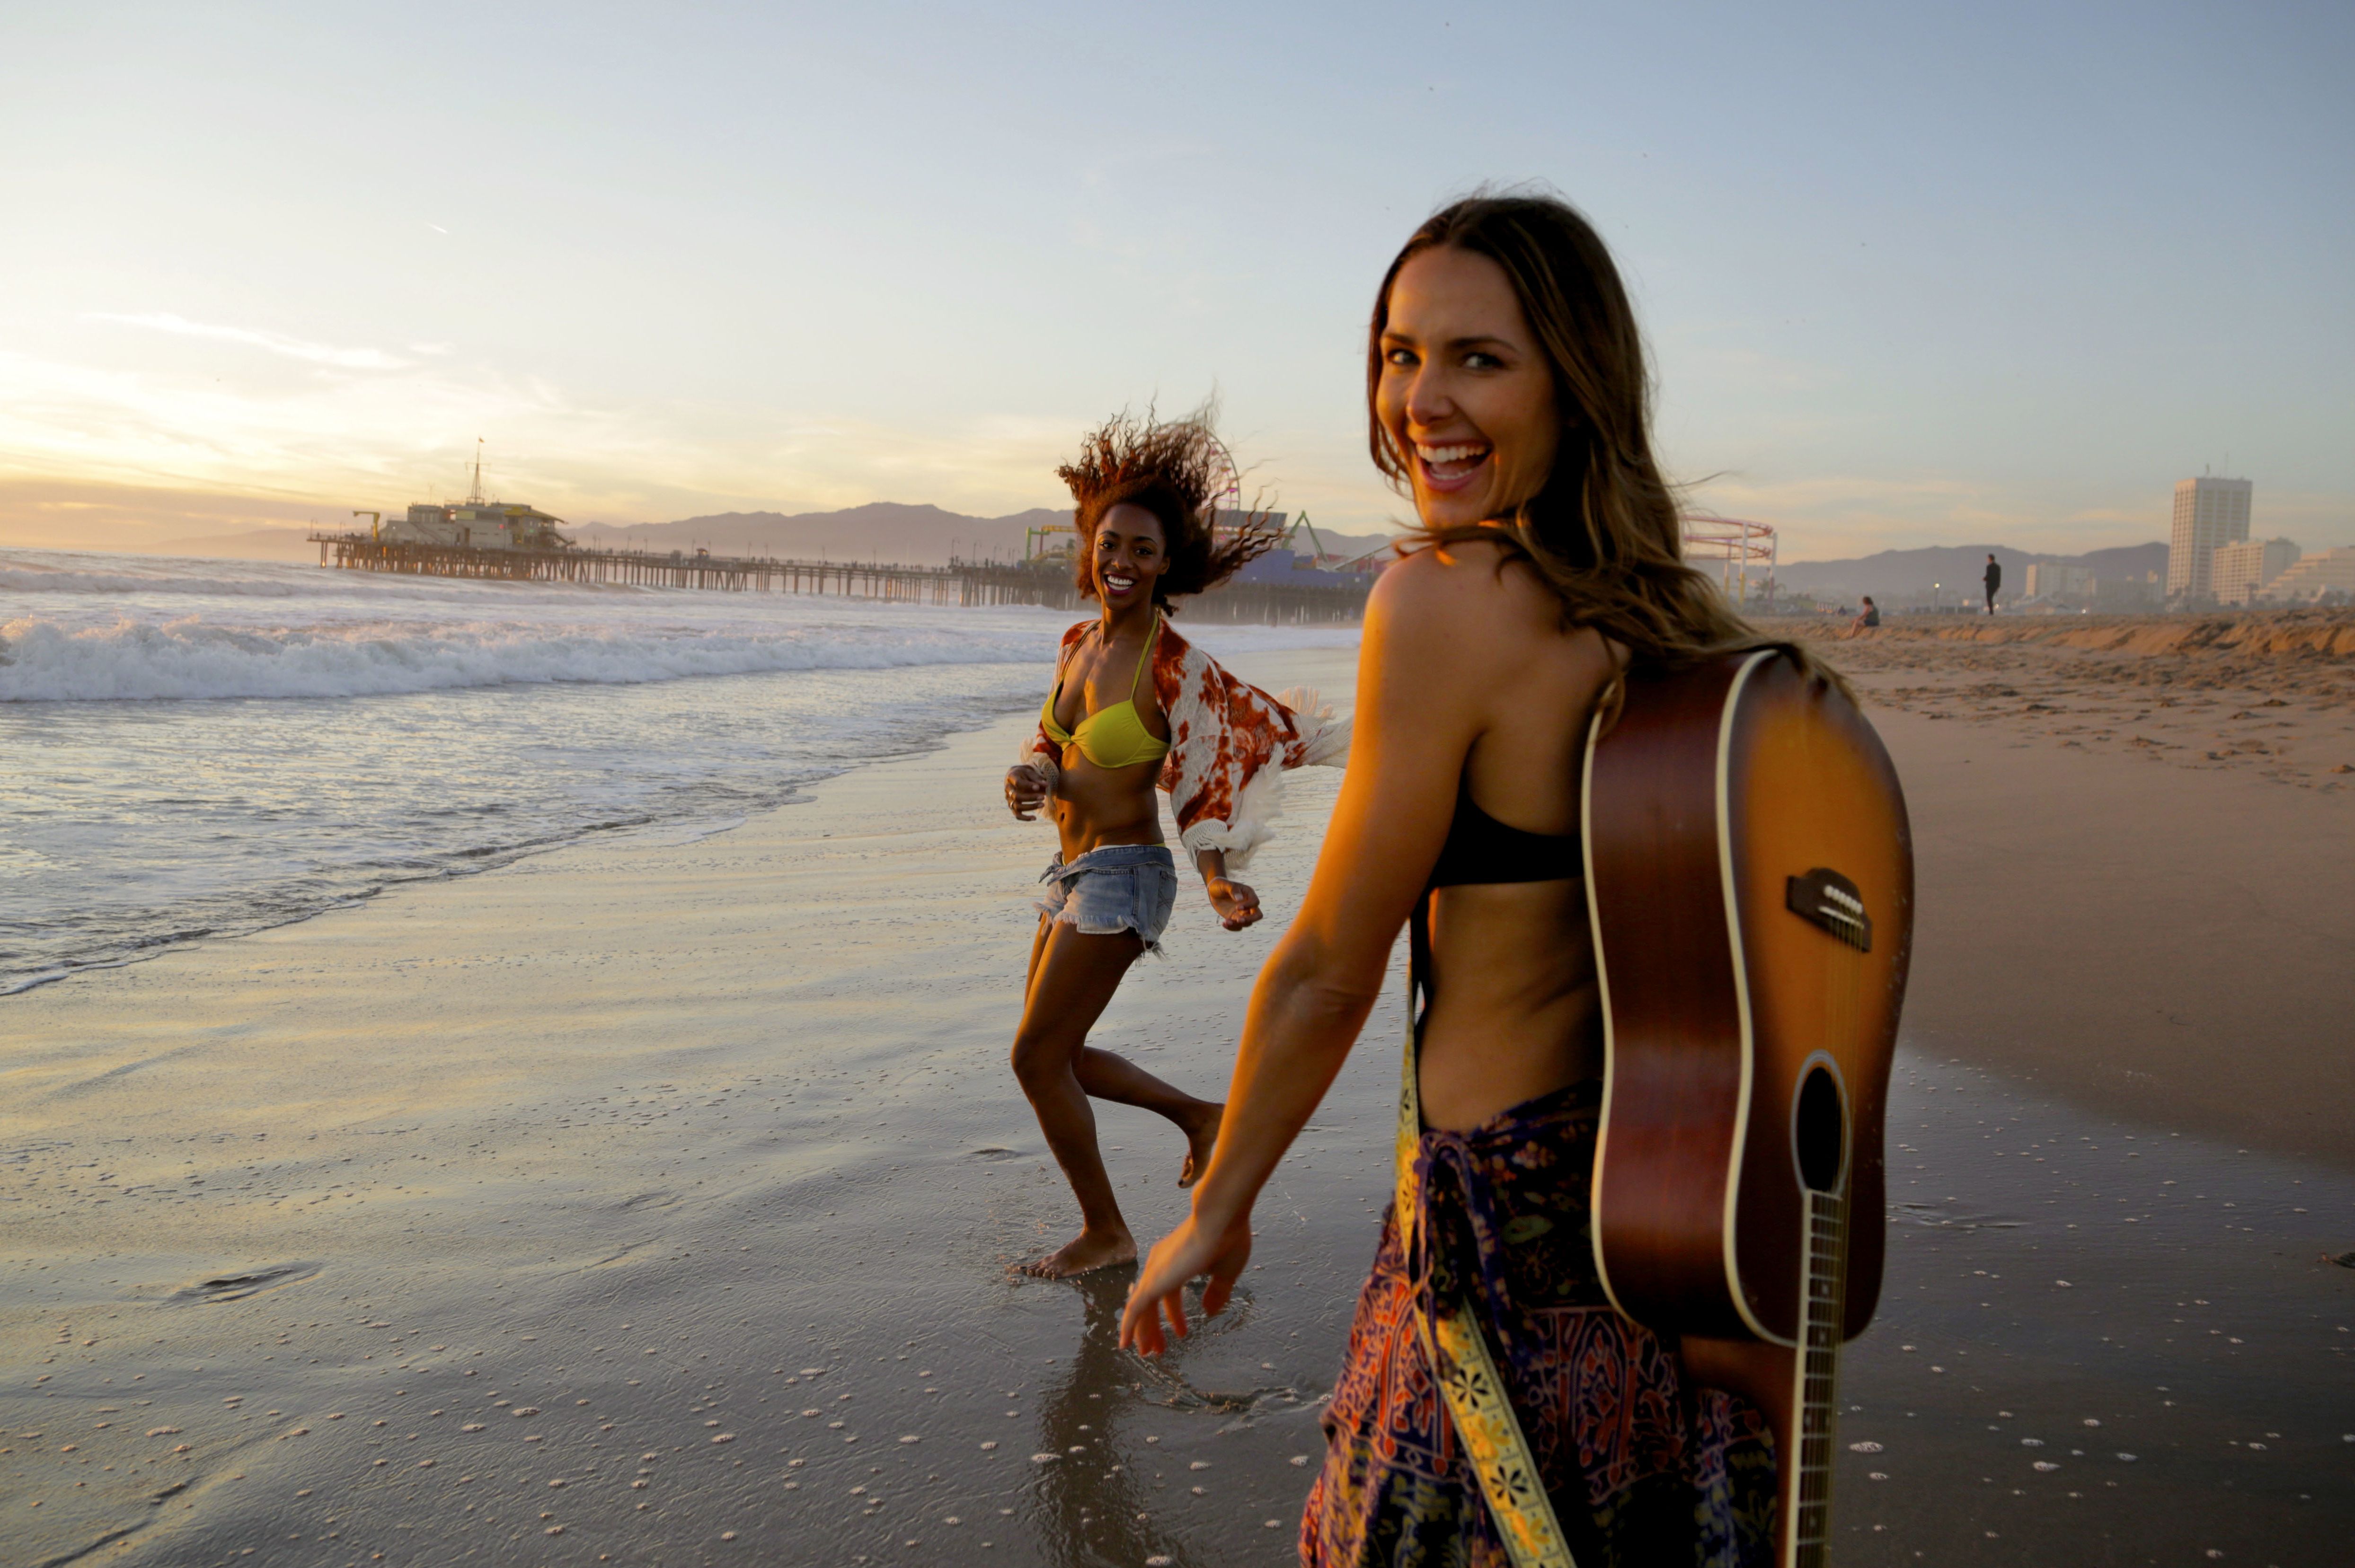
1172	469
1603	530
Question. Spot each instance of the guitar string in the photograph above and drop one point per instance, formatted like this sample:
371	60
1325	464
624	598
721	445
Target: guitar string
1843	967
1825	1295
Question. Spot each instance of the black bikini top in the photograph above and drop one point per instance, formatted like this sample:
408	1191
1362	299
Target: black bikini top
1481	849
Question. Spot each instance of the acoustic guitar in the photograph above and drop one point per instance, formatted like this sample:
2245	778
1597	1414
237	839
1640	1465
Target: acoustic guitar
1750	878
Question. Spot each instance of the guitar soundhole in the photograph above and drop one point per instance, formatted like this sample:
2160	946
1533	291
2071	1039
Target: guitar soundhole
1820	1131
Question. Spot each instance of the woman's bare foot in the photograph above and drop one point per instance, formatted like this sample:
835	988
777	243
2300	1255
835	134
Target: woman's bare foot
1201	1138
1083	1252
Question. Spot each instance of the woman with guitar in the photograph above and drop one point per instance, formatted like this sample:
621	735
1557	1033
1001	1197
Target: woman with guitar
1506	389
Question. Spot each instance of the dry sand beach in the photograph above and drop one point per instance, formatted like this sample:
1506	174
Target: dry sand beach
2170	938
652	1199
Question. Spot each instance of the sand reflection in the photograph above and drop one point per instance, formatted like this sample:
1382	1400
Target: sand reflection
1092	1506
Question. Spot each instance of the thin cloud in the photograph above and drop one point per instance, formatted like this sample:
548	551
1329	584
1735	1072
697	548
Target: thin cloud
274	341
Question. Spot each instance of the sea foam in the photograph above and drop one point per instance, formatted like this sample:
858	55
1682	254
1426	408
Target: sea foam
427	728
21	577
43	660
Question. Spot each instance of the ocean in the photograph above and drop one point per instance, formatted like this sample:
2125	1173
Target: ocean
201	748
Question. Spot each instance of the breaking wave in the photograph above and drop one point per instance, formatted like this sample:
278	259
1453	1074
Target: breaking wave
427	728
27	578
187	658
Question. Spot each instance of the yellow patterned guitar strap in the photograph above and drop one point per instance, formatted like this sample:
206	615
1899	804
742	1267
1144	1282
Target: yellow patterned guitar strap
1475	1395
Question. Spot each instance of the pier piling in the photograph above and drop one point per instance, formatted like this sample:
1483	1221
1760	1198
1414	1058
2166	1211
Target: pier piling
967	583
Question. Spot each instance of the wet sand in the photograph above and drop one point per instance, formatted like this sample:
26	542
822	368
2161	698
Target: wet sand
654	1201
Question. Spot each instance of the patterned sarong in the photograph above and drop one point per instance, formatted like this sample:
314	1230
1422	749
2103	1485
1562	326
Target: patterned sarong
1643	1468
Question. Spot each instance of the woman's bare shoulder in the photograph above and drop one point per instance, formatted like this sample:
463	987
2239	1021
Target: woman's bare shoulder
1439	578
1466	587
1485	605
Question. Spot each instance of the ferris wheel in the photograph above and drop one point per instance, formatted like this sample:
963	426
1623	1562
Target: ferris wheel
1738	543
1225	501
1226	480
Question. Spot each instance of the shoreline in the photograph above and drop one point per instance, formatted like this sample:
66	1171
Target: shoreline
677	828
616	1086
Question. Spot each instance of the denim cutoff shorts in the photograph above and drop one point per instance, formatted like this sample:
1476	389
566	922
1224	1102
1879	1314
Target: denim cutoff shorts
1119	887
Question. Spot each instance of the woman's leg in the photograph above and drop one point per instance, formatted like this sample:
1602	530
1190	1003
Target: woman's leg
1109	1076
1073	974
1106	1076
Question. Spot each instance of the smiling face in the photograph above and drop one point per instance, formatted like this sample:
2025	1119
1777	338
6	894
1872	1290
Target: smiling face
1466	394
1130	556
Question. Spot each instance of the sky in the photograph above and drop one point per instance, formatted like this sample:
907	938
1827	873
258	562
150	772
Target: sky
1912	275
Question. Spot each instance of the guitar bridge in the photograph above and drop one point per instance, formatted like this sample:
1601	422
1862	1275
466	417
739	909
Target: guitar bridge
1825	898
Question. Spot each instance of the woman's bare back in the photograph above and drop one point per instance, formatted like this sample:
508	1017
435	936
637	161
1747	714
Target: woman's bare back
1514	1013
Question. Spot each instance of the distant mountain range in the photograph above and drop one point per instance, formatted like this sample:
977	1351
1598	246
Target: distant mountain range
1897	574
880	531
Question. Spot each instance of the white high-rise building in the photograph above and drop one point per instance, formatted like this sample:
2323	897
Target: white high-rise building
2332	571
2208	513
2246	568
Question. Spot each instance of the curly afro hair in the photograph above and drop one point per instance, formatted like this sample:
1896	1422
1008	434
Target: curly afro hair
1171	468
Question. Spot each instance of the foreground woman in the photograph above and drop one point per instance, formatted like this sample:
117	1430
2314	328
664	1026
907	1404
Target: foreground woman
1125	684
1506	388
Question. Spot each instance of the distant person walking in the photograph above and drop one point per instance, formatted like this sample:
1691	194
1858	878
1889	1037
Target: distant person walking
1869	617
1994	580
1136	705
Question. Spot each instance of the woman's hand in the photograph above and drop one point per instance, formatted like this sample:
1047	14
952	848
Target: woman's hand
1186	1253
1025	790
1237	904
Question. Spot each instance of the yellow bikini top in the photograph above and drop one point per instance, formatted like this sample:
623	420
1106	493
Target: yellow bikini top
1114	737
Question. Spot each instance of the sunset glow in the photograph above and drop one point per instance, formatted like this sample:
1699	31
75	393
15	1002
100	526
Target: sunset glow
1907	280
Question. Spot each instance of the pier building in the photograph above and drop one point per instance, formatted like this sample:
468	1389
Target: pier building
477	525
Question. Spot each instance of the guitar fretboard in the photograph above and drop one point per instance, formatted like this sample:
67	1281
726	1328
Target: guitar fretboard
1822	1310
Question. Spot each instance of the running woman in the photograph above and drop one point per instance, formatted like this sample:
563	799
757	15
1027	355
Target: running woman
1136	706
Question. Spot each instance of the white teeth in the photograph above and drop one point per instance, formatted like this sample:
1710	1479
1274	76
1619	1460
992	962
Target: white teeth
1451	454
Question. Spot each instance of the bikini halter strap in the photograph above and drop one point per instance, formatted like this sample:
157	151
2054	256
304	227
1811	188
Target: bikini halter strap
1152	636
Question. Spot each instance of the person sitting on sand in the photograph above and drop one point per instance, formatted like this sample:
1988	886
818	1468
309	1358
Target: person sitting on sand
1136	705
1867	618
1506	389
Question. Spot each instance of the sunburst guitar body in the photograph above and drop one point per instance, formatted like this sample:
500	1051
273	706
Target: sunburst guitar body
1750	878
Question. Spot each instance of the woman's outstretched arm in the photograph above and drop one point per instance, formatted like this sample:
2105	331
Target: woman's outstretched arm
1430	631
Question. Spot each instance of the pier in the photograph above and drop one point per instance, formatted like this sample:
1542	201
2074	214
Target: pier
1040	582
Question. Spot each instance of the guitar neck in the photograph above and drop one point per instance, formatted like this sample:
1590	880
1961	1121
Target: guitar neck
1808	1471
